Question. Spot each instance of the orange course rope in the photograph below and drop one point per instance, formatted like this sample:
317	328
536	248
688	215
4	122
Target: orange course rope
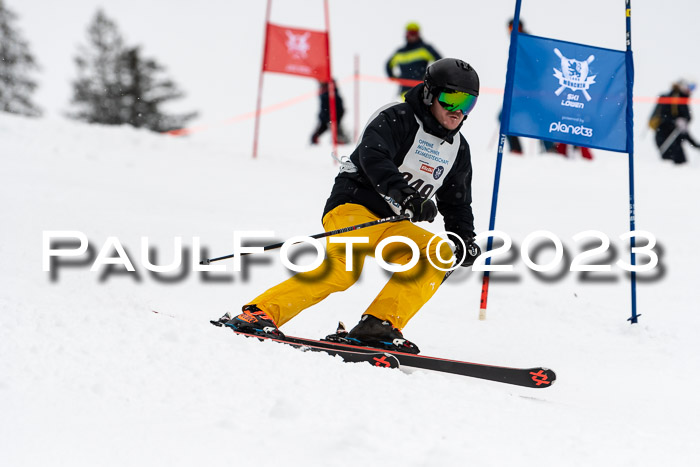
378	79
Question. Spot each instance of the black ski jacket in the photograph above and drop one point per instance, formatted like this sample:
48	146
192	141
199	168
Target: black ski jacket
667	115
371	174
324	114
412	60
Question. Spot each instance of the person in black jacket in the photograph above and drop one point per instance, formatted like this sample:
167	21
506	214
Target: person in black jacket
409	155
324	114
412	59
670	120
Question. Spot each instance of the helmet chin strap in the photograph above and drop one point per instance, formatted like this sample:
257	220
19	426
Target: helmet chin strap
427	96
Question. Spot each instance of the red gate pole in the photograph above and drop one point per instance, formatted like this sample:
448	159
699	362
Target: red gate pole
256	131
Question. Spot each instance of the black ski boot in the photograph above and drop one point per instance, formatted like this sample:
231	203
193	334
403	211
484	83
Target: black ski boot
373	332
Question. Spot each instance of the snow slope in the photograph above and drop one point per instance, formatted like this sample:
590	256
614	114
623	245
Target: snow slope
90	375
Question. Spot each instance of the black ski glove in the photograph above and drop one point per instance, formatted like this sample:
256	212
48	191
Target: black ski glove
469	256
422	209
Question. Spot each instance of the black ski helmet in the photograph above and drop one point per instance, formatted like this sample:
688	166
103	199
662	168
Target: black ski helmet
449	74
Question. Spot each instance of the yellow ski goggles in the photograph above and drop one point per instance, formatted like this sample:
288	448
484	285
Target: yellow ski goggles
457	100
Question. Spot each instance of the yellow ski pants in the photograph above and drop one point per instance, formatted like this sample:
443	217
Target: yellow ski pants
400	299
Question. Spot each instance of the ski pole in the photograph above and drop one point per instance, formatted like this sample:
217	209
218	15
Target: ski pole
669	141
401	217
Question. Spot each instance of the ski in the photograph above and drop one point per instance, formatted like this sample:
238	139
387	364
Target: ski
374	357
536	377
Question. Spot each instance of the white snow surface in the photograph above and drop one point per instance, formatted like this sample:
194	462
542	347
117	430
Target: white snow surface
114	368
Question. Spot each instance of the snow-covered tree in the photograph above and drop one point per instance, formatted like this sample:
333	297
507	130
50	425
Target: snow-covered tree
116	85
16	65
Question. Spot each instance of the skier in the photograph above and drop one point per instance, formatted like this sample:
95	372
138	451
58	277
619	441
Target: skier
670	120
324	114
409	153
412	59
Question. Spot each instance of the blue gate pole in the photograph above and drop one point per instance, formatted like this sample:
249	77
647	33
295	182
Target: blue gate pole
505	120
629	66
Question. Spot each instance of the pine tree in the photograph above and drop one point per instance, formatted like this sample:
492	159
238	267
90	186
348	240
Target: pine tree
145	91
16	65
116	85
97	90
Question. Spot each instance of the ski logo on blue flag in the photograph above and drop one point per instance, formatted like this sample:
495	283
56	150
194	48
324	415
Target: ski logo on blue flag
574	75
